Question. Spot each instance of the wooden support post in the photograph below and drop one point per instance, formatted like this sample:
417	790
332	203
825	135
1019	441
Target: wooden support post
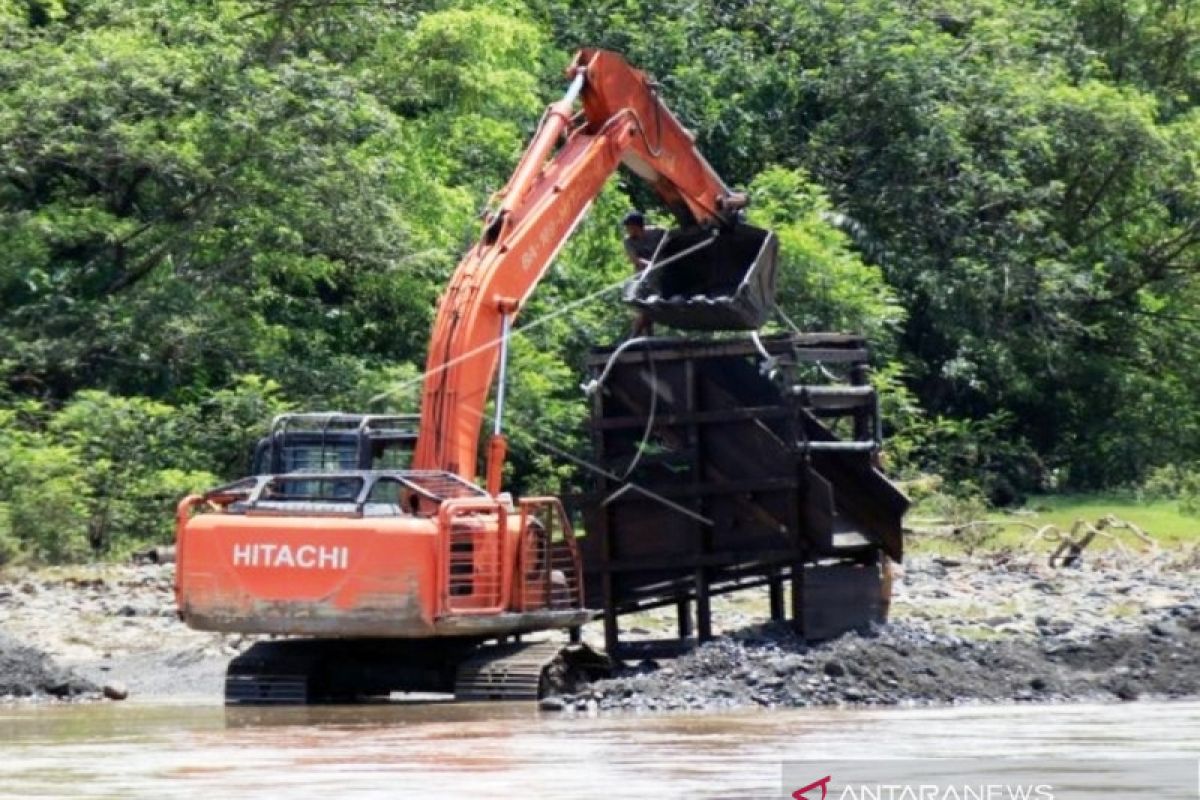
703	541
798	598
775	589
683	614
864	430
703	607
612	630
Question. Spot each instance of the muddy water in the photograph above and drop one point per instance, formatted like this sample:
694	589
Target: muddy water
442	750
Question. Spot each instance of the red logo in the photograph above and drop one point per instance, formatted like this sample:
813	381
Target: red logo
800	794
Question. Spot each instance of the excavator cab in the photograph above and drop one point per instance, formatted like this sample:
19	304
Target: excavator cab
336	441
720	278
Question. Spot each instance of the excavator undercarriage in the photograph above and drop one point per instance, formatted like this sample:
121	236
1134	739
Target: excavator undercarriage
305	671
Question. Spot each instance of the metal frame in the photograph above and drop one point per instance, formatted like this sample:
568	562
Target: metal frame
742	443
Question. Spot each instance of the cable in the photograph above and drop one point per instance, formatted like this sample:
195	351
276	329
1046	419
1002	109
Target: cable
641	445
626	486
787	320
591	387
594	385
571	306
492	343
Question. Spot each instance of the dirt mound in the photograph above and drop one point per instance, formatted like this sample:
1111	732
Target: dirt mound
909	664
28	672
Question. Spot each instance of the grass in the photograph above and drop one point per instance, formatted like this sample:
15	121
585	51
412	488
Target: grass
1161	520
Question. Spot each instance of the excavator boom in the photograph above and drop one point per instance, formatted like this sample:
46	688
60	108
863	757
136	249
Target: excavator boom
623	121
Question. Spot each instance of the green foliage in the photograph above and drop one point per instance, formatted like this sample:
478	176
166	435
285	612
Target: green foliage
823	283
99	477
126	450
1180	483
979	456
962	505
47	504
10	546
1018	169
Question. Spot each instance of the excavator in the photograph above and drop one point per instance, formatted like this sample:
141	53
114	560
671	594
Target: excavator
374	579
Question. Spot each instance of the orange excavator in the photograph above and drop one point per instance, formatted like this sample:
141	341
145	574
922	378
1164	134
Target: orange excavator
420	579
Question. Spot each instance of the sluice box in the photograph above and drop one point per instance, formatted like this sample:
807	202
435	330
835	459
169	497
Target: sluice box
728	463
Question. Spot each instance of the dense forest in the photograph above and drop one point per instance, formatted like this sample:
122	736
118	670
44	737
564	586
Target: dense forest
214	211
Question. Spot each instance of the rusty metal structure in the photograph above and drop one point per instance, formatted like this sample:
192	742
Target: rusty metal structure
736	462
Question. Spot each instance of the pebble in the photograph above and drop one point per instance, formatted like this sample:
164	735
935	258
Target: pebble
115	690
1070	647
834	669
551	704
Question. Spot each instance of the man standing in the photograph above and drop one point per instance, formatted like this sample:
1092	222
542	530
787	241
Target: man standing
641	242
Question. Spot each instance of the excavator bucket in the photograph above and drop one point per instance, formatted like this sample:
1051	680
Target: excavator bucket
716	279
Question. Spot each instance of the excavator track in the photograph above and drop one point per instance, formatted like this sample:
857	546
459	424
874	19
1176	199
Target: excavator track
505	671
300	672
271	673
520	671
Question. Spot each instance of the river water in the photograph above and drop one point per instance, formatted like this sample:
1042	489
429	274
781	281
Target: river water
191	750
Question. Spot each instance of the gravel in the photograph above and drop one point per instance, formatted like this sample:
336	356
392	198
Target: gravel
113	627
28	673
911	664
1106	631
990	629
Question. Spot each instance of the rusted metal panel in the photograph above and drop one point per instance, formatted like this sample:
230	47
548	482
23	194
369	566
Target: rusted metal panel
840	597
727	470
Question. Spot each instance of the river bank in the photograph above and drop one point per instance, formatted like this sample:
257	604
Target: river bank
992	628
107	625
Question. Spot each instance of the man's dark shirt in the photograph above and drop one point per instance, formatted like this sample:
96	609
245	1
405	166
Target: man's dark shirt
644	247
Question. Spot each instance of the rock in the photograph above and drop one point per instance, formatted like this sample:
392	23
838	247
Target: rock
115	690
545	704
1165	629
1126	691
834	669
28	672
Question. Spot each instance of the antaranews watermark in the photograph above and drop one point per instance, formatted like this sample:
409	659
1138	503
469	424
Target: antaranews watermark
992	779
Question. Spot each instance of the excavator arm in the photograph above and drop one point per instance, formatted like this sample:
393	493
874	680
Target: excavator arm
623	121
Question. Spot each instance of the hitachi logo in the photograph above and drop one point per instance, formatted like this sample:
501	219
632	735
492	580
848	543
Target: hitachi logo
306	556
